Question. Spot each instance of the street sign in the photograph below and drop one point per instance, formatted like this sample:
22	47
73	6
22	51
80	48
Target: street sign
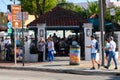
10	17
16	9
19	15
112	11
9	30
9	24
17	24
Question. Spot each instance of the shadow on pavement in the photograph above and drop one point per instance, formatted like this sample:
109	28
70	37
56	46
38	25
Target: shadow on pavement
114	78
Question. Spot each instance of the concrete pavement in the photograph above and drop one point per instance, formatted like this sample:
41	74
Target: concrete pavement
61	64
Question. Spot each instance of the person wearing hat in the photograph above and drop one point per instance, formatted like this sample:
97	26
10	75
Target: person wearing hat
112	54
93	52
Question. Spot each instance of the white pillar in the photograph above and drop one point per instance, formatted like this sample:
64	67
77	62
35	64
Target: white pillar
41	34
87	33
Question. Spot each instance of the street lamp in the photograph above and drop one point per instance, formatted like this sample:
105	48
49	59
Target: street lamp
112	14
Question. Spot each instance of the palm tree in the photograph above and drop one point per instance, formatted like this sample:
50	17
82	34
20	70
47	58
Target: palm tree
93	8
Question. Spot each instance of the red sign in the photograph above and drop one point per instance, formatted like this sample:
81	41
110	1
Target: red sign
10	17
16	23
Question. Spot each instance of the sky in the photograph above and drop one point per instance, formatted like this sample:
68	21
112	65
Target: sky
4	3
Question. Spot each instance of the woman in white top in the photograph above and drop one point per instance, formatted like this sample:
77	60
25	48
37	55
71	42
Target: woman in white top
51	49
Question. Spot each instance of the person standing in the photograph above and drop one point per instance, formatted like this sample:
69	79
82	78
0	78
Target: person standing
18	42
33	47
41	49
8	47
107	43
93	52
51	49
112	54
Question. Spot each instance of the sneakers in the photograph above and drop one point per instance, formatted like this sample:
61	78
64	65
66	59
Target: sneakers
106	67
98	66
115	68
93	68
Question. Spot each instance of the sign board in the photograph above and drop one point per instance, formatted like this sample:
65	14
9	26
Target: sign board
16	9
9	30
9	24
10	17
22	16
112	12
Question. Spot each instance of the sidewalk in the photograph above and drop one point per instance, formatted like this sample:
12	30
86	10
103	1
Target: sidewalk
61	64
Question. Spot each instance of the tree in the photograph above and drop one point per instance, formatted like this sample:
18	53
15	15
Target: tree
93	8
61	1
71	6
37	7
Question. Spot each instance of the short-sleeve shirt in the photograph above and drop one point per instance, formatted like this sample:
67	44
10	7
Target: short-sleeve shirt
50	45
93	43
107	45
112	46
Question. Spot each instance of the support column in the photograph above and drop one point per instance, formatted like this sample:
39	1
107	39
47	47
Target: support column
41	34
87	33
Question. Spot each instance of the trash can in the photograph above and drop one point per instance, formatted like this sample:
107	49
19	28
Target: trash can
74	55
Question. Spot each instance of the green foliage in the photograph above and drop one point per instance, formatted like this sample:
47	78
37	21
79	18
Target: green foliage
68	6
71	6
93	8
50	4
29	6
116	16
61	1
32	6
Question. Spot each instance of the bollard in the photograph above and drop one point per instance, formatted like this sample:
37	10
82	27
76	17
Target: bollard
74	55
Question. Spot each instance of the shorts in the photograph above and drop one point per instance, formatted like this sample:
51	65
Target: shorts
93	56
107	52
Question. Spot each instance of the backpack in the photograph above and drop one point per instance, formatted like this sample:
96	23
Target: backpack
97	45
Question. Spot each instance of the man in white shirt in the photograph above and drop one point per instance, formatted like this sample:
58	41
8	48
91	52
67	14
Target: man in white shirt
112	47
93	52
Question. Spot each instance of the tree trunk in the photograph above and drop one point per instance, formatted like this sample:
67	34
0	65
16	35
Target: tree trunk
43	6
38	7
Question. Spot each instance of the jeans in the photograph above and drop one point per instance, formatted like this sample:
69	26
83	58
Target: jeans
8	57
112	55
50	56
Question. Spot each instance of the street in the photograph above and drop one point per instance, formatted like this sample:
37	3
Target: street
37	75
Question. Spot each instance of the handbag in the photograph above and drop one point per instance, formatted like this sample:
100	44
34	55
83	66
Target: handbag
53	52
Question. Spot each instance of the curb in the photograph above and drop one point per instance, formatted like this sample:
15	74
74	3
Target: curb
69	71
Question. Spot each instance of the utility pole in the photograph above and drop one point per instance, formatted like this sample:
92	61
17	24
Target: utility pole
101	21
23	61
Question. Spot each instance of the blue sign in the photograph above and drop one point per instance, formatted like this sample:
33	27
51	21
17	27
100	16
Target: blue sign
9	24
